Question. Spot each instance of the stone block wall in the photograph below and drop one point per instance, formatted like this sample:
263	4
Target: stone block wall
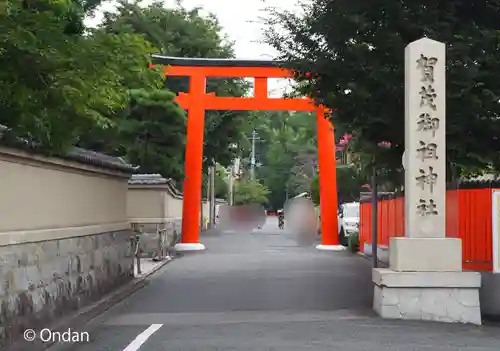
149	236
450	305
42	281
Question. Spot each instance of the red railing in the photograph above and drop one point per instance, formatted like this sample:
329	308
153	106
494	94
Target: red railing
468	216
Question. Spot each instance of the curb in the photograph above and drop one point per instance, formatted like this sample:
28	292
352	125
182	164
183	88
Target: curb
491	319
369	258
83	316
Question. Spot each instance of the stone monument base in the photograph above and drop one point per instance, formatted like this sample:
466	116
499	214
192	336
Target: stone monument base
432	296
425	254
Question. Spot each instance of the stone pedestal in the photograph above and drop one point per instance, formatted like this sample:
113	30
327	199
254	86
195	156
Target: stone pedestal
432	296
425	254
425	281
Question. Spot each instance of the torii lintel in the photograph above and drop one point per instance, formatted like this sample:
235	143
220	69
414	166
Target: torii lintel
220	67
260	70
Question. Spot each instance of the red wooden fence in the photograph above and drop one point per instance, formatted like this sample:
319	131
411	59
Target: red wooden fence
468	216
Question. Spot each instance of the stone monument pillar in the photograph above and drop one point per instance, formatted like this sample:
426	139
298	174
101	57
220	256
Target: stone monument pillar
425	280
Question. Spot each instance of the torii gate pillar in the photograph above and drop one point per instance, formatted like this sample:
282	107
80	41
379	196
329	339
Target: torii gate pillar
193	168
197	101
327	184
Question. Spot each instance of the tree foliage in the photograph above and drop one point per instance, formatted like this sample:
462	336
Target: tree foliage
355	52
153	132
250	192
286	151
221	185
187	33
64	84
349	184
57	82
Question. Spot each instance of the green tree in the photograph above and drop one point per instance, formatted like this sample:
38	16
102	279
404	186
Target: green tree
250	192
279	160
302	172
355	50
349	184
187	33
221	185
303	148
152	133
314	189
286	151
57	82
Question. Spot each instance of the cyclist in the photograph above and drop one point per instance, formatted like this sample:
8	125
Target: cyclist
281	219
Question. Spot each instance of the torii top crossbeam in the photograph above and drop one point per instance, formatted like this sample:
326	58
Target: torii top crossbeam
222	62
261	70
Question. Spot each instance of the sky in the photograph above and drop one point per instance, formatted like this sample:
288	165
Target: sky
239	19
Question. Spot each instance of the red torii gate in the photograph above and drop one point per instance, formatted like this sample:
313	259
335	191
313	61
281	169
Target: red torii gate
197	101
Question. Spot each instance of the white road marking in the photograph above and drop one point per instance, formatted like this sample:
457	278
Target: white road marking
142	337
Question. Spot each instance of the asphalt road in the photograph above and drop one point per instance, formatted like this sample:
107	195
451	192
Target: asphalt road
260	291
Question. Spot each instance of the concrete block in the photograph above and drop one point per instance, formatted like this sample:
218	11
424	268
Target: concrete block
38	300
50	249
67	247
3	285
46	271
13	256
30	251
21	282
50	291
391	278
33	276
425	254
433	296
86	261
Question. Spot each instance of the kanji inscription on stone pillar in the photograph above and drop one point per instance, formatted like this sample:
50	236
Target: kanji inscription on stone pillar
425	139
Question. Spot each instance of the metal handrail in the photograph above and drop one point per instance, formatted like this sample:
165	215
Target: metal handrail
136	257
161	250
137	246
166	247
135	243
138	253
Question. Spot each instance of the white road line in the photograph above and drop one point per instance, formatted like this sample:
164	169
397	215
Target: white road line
142	337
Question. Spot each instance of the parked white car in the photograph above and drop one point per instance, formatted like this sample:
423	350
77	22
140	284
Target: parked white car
348	219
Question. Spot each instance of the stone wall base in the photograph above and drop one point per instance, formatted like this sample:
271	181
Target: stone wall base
451	297
149	236
44	281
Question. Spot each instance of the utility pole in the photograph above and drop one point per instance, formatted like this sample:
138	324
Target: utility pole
212	196
252	169
374	217
209	192
202	214
231	184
